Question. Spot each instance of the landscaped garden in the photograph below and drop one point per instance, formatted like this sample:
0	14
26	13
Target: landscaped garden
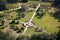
43	19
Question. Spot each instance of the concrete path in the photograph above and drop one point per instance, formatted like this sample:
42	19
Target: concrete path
24	31
35	12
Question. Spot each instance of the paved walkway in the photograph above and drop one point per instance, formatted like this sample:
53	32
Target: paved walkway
35	12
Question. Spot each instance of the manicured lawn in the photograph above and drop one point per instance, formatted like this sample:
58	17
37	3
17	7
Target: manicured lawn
47	22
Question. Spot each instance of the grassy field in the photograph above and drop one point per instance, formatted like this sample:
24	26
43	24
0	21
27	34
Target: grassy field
47	22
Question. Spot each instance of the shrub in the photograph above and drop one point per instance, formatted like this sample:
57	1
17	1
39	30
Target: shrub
22	28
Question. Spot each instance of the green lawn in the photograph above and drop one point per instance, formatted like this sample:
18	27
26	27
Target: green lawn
47	22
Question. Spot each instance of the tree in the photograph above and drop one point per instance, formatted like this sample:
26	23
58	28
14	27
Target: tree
23	38
33	0
36	37
56	3
20	14
42	37
40	13
58	34
23	1
11	1
57	15
6	36
2	5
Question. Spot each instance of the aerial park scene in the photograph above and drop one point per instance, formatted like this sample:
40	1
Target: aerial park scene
29	19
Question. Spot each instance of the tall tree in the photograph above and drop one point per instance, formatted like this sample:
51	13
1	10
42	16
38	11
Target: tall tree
56	3
2	4
23	1
12	1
